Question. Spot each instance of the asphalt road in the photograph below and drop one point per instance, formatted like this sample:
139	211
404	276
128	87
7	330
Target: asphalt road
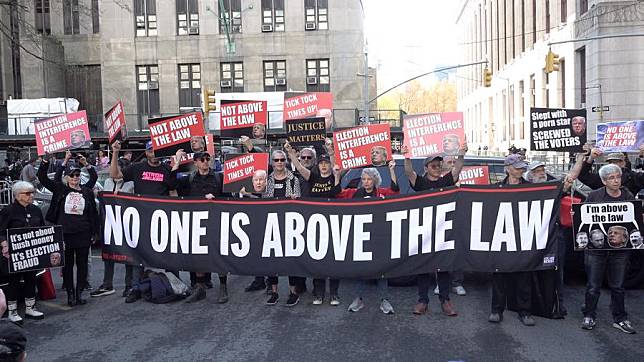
107	329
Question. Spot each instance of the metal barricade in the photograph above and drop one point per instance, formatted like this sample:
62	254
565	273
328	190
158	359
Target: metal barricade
5	193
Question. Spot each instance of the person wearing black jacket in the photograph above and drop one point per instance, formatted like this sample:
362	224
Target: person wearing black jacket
21	213
633	181
73	206
204	182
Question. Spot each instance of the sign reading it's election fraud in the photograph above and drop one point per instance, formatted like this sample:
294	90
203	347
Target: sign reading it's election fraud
172	133
241	170
620	136
307	105
306	131
362	146
35	248
556	129
61	133
474	175
243	118
115	124
613	225
431	133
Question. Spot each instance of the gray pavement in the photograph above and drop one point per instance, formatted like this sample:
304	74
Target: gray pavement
107	329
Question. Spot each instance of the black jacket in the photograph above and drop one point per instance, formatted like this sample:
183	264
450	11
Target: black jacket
633	181
197	185
17	216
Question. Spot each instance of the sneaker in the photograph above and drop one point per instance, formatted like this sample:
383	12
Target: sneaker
255	285
102	291
335	301
198	293
625	326
588	323
386	307
88	286
459	290
269	289
126	292
318	301
273	299
292	300
527	320
420	308
495	318
448	309
133	296
356	305
436	291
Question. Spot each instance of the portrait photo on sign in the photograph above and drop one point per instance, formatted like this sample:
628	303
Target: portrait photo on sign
607	226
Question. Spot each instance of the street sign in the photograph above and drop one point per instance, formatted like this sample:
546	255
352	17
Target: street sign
599	109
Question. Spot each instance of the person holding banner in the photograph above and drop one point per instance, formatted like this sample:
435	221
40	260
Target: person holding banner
633	181
74	207
19	214
430	181
597	261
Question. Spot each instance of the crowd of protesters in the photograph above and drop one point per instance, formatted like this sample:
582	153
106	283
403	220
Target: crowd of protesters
293	174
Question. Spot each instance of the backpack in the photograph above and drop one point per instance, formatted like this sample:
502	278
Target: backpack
157	288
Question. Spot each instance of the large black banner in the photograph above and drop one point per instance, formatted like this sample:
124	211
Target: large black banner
472	228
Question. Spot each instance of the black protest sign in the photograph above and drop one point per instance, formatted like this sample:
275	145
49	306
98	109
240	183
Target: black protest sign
306	131
556	129
611	225
471	228
35	248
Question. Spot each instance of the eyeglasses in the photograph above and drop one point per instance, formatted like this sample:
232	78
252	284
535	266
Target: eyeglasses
306	157
434	166
279	160
613	178
203	159
28	193
76	174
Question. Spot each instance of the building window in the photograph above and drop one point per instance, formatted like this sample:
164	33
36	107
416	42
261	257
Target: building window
43	24
521	99
145	14
583	6
189	86
71	21
534	21
318	78
581	55
316	14
546	89
187	17
232	77
564	11
511	112
562	81
147	91
522	26
272	15
533	91
95	17
275	76
230	16
547	9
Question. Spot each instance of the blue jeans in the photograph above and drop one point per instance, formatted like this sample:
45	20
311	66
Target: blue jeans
596	263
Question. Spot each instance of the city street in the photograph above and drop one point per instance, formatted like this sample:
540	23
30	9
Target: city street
107	329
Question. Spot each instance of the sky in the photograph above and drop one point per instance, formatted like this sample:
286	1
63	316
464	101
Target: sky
410	37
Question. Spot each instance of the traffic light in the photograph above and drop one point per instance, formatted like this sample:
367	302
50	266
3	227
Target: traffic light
487	77
208	101
552	62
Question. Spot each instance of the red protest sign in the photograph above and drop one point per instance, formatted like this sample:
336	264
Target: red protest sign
474	175
114	123
170	134
210	144
243	118
239	170
62	132
362	146
428	134
307	105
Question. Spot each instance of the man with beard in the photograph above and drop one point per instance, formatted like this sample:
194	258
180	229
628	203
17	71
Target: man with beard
582	240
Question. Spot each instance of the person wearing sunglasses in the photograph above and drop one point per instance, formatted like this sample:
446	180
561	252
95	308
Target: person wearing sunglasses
282	183
74	207
19	214
203	182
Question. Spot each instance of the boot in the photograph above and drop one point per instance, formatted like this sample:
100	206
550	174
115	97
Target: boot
12	307
71	297
198	293
31	311
79	297
223	294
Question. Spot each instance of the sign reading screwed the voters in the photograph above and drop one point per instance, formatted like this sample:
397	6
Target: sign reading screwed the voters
556	129
362	146
243	118
306	105
35	248
115	124
614	225
620	136
247	170
62	133
428	134
306	131
172	133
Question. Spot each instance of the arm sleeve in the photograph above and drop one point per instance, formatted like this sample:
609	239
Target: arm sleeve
172	180
58	176
128	173
394	187
589	179
44	180
93	177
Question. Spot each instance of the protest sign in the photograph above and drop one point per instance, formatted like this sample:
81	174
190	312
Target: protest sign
298	105
362	146
115	124
243	118
172	133
210	144
239	170
428	134
306	131
61	133
195	142
35	248
474	175
471	228
555	129
620	136
614	225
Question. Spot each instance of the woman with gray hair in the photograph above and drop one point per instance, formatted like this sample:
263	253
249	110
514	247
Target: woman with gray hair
21	213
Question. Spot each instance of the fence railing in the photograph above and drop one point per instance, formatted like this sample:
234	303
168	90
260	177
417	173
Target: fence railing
5	193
